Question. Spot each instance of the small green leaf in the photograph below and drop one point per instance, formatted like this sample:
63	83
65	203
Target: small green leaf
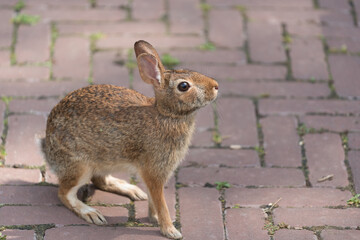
169	61
25	19
19	6
354	201
222	185
207	47
205	7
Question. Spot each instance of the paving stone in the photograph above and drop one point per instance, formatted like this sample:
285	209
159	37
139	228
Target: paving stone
289	17
325	156
22	132
28	215
110	28
265	42
72	64
333	123
302	106
335	5
304	29
38	195
281	141
195	217
19	234
185	17
264	4
141	10
204	127
221	157
354	141
251	222
13	176
106	71
340	32
158	41
5	27
28	73
58	3
40	89
237	123
290	197
94	232
308	59
77	14
219	22
287	89
241	72
354	161
333	234
33	43
219	56
36	106
114	215
350	44
318	217
283	234
345	71
112	3
4	58
242	176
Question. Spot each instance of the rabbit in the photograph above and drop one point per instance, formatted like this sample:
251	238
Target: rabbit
100	129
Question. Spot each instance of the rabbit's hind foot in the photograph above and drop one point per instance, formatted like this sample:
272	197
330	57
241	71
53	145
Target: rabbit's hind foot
111	184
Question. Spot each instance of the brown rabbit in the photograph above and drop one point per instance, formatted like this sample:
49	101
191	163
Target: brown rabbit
101	129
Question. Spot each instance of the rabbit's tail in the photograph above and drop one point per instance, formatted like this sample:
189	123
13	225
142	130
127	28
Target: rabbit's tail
40	141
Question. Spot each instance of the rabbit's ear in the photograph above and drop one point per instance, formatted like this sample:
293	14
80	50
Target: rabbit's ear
149	69
142	46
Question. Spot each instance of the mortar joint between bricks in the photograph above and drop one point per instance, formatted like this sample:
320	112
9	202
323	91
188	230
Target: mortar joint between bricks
246	47
260	149
93	38
304	166
286	44
223	211
353	12
345	145
333	94
205	8
4	134
269	223
316	4
177	222
216	135
93	3
165	18
54	35
130	64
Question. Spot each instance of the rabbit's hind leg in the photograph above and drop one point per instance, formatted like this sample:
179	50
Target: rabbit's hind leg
111	184
69	185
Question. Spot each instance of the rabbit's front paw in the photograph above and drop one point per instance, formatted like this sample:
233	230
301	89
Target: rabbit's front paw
92	215
171	232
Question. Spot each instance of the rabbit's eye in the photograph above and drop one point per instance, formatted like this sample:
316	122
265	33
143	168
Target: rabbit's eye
183	86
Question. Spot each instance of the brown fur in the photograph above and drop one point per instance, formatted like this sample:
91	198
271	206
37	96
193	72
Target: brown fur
100	129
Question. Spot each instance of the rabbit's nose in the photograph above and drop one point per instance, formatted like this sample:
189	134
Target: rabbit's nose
216	86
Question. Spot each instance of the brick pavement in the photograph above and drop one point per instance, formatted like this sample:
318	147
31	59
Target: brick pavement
288	114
